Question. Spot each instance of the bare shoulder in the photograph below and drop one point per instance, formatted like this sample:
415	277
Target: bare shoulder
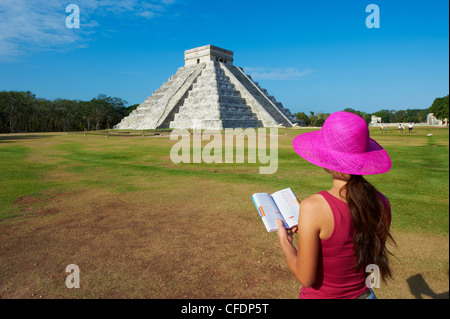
313	207
313	203
315	213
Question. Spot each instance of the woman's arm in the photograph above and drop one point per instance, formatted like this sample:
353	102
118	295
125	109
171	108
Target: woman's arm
303	263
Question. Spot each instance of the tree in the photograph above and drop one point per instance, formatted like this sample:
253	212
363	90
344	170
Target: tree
131	108
16	107
399	116
23	112
416	115
440	108
3	121
312	118
303	117
385	115
319	119
41	117
367	117
107	111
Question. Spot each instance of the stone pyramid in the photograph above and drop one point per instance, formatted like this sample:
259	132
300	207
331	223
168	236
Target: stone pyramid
209	92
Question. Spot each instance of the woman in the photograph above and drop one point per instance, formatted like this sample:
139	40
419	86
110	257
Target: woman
343	230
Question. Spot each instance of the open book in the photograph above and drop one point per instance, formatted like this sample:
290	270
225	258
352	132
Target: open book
283	205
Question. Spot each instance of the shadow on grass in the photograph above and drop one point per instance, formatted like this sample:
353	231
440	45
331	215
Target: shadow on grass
11	137
419	287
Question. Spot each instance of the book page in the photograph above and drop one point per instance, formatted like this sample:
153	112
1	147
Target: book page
268	211
288	204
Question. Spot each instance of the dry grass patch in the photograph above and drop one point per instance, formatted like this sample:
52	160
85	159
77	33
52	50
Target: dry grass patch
148	244
420	266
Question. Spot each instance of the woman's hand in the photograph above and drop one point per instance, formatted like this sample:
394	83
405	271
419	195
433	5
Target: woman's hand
285	234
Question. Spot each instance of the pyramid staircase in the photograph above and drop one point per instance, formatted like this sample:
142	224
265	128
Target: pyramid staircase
214	103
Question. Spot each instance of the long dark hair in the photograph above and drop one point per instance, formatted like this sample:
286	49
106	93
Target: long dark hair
371	225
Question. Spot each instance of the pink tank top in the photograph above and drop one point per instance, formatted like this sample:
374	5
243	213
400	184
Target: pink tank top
335	275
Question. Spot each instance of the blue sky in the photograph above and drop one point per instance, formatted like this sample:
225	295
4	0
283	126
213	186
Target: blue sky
311	55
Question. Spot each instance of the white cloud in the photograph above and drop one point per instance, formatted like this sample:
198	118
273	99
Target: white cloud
266	73
28	26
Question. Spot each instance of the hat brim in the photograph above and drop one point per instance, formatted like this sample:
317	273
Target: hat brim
374	161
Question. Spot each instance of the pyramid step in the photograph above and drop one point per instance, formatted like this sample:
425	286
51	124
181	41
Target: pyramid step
215	124
231	99
253	88
241	123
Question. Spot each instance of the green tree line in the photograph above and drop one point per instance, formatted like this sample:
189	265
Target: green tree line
318	119
440	108
24	112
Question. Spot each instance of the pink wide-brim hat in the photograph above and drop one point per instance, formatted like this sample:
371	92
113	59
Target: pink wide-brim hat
343	145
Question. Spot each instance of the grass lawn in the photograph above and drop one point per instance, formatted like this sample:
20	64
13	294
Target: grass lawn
140	226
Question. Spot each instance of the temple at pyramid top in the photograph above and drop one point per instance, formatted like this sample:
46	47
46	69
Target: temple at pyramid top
208	53
209	92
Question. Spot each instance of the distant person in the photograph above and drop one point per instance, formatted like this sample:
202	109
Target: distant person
399	127
410	127
403	127
386	128
344	229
